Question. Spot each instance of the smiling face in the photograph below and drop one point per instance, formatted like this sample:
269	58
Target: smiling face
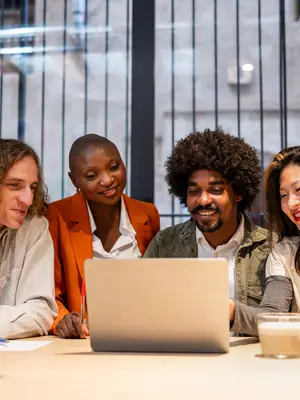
100	174
212	202
290	193
17	192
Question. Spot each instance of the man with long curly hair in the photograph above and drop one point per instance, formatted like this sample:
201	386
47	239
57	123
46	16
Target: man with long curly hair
217	176
27	302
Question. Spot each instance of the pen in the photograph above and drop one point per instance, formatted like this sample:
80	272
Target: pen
83	294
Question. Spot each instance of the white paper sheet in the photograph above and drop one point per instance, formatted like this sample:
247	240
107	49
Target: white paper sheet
22	345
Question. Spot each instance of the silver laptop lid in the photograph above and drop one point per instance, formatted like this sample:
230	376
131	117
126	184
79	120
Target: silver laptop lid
161	304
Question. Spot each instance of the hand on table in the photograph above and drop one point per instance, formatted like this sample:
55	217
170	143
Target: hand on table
70	327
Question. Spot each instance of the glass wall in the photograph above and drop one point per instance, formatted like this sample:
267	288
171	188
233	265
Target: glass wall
230	63
74	67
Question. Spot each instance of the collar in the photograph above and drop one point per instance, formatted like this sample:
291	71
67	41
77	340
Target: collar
253	233
3	234
125	226
237	237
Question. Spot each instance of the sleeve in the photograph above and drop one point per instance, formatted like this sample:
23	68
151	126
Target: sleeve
278	297
153	248
60	287
35	307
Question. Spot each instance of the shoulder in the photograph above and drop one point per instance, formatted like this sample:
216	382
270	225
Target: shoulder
257	233
147	208
256	238
281	258
33	228
34	224
284	251
176	231
60	211
256	241
62	205
287	245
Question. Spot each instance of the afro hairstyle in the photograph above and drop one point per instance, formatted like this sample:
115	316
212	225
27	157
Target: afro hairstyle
216	150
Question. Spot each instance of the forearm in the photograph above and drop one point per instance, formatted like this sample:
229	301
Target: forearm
33	318
277	298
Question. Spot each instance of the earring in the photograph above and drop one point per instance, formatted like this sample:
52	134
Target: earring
77	190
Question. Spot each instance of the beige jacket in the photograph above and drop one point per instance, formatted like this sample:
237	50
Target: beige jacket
27	300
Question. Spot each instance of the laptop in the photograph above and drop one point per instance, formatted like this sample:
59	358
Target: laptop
158	305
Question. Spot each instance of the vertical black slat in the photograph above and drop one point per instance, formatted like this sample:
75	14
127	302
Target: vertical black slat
22	75
21	105
280	87
106	68
43	83
283	70
142	104
127	84
194	63
216	63
63	111
85	67
238	67
173	94
297	10
261	108
1	65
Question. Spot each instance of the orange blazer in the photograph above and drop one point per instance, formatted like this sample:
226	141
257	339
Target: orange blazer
72	238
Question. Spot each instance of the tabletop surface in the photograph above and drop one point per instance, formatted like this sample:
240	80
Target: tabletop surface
70	369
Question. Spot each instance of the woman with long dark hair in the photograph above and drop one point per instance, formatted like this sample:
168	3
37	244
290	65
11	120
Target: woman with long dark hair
282	193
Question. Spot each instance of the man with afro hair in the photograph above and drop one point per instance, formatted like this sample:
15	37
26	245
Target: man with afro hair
217	176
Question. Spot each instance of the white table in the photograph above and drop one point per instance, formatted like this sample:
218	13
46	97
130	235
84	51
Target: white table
68	369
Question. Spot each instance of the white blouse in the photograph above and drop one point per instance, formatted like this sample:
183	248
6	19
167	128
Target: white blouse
126	245
281	261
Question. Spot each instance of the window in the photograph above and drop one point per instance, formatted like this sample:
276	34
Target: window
12	15
12	10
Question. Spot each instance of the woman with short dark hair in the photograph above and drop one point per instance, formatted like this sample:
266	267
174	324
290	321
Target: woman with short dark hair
98	221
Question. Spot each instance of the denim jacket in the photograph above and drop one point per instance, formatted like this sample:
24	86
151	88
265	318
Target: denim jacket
179	241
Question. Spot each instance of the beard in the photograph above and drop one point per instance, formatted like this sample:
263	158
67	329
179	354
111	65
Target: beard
208	226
